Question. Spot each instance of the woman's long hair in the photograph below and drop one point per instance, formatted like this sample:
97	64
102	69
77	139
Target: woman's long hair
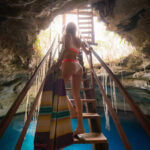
71	28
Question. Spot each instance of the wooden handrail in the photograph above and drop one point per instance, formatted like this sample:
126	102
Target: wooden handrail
114	116
8	117
24	130
112	112
139	114
92	77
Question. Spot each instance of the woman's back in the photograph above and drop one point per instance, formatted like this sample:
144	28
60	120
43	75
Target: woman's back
72	46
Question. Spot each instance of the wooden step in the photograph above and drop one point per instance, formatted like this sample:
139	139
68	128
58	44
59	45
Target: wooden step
84	13
85	23
90	138
91	43
88	115
85	27
82	79
86	37
86	32
85	8
86	100
82	89
85	18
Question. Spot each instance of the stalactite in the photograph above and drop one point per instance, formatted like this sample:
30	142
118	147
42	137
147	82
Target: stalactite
114	96
104	83
111	91
27	105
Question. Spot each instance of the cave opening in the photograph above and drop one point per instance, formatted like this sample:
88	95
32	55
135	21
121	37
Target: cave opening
110	45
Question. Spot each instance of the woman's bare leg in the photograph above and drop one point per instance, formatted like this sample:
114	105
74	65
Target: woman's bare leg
76	81
66	75
71	108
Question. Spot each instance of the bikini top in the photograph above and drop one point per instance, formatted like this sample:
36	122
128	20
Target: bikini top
73	47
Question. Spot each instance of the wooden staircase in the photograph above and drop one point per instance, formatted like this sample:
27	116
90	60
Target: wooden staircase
95	136
85	23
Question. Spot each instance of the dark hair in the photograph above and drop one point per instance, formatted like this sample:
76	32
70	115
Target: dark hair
71	28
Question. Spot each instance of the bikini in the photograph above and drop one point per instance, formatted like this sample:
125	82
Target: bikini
73	49
70	59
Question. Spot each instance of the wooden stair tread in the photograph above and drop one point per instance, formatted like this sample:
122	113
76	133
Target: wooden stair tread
86	89
85	18
86	32
85	23
90	138
84	13
85	27
89	115
86	37
86	100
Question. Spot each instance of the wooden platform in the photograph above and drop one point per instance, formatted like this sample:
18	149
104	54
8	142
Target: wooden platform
90	138
82	89
89	115
86	100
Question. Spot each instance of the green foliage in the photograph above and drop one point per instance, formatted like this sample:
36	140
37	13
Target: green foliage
42	42
37	46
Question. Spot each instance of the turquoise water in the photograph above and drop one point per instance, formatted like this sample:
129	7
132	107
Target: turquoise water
136	135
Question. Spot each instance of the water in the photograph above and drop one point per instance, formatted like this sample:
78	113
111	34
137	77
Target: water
136	135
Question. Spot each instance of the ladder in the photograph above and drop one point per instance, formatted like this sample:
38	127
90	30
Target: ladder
95	136
86	23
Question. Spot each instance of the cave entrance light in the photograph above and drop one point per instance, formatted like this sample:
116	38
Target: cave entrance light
110	46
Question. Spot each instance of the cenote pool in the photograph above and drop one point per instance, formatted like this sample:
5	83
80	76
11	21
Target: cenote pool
135	133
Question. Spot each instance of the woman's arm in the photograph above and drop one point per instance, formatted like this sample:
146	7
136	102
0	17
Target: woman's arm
84	48
66	47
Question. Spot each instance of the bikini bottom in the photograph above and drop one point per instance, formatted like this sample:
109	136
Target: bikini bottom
75	62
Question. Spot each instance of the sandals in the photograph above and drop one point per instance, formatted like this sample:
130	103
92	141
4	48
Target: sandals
79	137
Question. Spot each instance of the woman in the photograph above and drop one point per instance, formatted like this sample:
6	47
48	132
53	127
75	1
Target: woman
72	68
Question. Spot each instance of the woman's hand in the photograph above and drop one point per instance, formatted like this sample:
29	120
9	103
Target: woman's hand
90	48
88	51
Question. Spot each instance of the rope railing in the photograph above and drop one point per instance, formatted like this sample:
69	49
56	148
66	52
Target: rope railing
111	110
8	117
139	114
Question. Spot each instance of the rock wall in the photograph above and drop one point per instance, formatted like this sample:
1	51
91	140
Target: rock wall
130	19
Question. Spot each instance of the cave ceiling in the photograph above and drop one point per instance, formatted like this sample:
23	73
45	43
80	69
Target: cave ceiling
22	20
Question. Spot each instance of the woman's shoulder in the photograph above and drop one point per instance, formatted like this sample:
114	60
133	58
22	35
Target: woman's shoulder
78	40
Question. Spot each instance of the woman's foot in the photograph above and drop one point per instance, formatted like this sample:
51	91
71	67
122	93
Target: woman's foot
78	131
